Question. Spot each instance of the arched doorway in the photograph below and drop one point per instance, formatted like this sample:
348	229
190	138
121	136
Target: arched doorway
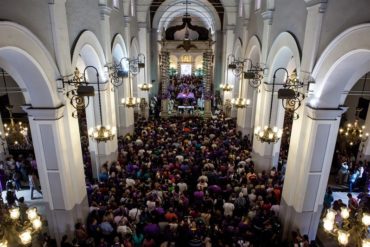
58	157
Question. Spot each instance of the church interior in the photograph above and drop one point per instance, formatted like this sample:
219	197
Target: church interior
144	123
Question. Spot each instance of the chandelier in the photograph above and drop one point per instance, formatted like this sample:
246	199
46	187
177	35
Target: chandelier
145	86
130	101
15	134
101	133
226	87
347	225
12	223
353	133
269	134
240	102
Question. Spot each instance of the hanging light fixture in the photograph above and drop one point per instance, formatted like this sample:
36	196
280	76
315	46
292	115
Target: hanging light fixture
226	87
26	228
100	133
130	101
348	226
240	102
353	133
15	133
269	134
145	86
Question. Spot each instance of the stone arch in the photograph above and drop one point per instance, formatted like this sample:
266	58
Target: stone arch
284	53
253	49
27	60
119	49
339	67
204	9
88	47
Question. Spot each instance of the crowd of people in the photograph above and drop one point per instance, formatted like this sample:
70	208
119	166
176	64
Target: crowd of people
19	173
352	173
186	90
183	183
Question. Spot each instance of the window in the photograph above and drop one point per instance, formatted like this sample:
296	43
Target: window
186	69
116	4
257	4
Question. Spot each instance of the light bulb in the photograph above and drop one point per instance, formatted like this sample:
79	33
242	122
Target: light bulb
31	213
331	214
25	237
248	101
271	135
366	243
275	129
261	134
36	223
343	237
105	134
14	213
4	243
344	212
98	127
328	225
96	134
265	128
366	219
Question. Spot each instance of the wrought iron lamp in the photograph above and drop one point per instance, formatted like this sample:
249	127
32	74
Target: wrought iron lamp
291	96
253	72
348	226
130	101
100	133
226	87
269	134
15	229
240	102
79	95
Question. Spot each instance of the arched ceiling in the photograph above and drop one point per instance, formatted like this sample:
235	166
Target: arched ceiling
209	12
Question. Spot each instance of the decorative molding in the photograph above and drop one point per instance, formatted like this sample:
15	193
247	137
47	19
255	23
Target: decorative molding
44	113
268	16
325	113
322	4
105	11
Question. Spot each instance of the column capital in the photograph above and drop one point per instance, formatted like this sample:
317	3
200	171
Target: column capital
44	113
127	20
268	16
105	11
329	114
321	4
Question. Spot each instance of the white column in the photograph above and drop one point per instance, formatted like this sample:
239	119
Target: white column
59	161
262	152
143	44
315	12
59	28
3	145
305	181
